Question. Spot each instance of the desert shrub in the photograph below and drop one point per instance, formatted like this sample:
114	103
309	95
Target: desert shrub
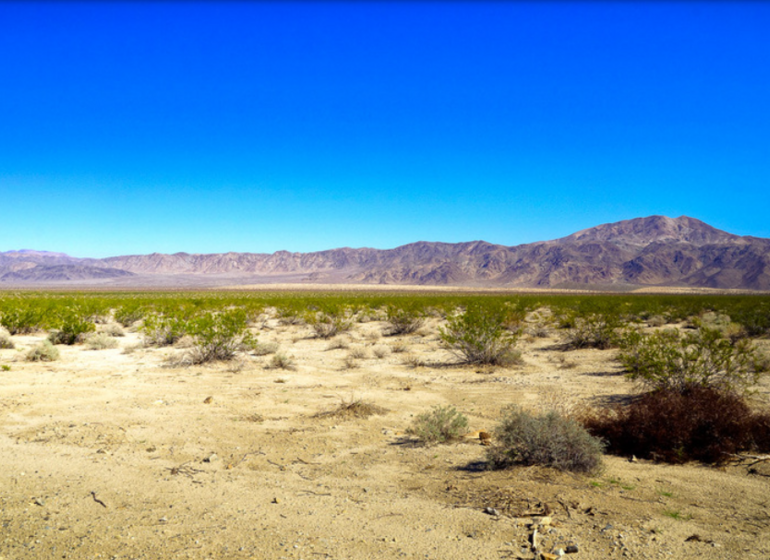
358	352
352	408
403	319
101	341
441	425
479	336
328	324
43	352
265	348
399	347
550	440
5	339
381	351
163	330
70	326
281	361
219	336
20	317
112	329
593	331
701	423
672	360
129	314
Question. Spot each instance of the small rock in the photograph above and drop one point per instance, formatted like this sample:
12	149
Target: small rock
548	556
632	459
276	500
163	519
491	511
211	458
38	502
544	521
208	400
571	549
558	552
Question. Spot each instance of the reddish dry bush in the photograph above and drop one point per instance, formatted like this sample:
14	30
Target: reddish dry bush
702	423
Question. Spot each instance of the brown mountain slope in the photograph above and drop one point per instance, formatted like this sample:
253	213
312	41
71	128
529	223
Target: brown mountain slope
656	250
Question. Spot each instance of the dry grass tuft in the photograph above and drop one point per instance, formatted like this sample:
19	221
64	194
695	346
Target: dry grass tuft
354	408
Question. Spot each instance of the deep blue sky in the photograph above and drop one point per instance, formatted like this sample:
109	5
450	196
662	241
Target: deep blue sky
259	126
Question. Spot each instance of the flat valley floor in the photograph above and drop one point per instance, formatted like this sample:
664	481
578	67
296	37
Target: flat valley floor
119	454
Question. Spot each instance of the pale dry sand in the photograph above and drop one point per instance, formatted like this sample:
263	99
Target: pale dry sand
107	454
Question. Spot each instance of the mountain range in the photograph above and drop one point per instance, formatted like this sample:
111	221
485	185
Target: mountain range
651	251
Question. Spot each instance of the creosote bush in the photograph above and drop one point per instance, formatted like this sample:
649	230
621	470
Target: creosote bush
43	352
71	326
441	425
219	336
700	423
403	319
549	440
674	361
161	330
593	331
479	336
328	324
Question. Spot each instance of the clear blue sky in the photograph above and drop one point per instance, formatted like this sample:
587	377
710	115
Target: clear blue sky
259	126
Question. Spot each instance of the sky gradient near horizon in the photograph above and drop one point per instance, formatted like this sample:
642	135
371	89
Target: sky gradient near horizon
136	127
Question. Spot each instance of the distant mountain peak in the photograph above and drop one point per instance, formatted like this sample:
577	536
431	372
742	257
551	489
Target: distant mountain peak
640	232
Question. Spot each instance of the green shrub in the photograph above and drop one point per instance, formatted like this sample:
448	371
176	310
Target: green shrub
403	320
593	331
479	336
43	352
219	336
549	440
328	324
441	425
671	360
71	325
129	314
21	317
700	423
161	330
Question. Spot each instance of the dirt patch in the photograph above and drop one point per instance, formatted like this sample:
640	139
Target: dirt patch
111	454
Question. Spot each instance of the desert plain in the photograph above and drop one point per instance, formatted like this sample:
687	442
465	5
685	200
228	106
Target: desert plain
126	453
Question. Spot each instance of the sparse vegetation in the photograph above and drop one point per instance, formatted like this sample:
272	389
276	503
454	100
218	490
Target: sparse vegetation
329	324
353	408
593	331
265	348
282	361
442	424
71	325
101	341
699	423
45	351
5	339
403	319
549	440
479	336
672	361
219	336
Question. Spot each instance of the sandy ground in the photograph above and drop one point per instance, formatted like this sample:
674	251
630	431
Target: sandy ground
115	454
